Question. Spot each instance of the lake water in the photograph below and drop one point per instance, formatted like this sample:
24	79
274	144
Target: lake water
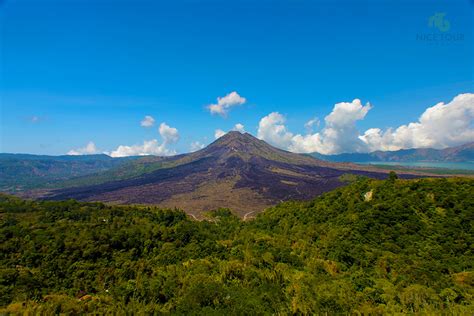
444	165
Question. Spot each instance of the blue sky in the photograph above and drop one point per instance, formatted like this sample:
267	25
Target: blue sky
79	71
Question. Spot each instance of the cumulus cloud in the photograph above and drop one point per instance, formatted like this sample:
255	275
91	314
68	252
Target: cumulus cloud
89	149
219	133
148	121
224	104
239	128
149	147
273	130
339	133
169	134
195	146
442	125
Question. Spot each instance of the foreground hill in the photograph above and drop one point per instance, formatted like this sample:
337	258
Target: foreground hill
373	247
237	171
464	153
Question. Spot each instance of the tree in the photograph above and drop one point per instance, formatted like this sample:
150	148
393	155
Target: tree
392	176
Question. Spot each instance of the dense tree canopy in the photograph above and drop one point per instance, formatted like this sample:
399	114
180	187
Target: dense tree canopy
394	246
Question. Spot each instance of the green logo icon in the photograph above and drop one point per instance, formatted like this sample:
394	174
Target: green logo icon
438	20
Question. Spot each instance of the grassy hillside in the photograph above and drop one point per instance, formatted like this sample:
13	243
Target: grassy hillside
432	171
373	247
22	171
128	170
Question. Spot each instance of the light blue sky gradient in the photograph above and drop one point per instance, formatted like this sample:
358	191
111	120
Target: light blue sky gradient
91	70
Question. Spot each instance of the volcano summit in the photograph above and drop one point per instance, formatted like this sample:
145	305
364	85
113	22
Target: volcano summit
237	171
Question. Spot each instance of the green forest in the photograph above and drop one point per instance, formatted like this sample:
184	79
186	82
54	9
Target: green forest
372	247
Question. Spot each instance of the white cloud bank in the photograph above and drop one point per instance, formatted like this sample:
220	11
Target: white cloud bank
149	147
170	135
440	126
89	149
148	121
224	104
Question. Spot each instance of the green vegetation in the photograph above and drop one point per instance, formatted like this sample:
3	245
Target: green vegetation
434	171
406	249
129	170
22	172
350	178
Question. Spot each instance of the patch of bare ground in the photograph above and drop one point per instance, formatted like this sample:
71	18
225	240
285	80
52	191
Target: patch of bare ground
218	194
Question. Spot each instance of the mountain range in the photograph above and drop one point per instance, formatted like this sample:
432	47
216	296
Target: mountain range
463	153
23	171
237	171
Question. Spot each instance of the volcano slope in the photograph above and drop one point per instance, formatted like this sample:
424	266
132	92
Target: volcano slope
237	171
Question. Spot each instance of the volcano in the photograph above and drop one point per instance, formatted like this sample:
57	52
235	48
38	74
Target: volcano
237	171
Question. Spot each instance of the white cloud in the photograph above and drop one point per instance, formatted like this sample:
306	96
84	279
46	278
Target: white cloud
440	126
149	147
311	124
148	121
272	129
339	133
169	134
225	103
239	128
375	140
195	146
346	113
219	133
89	149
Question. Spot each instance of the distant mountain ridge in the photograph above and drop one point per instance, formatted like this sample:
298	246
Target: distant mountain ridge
463	153
23	171
237	171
